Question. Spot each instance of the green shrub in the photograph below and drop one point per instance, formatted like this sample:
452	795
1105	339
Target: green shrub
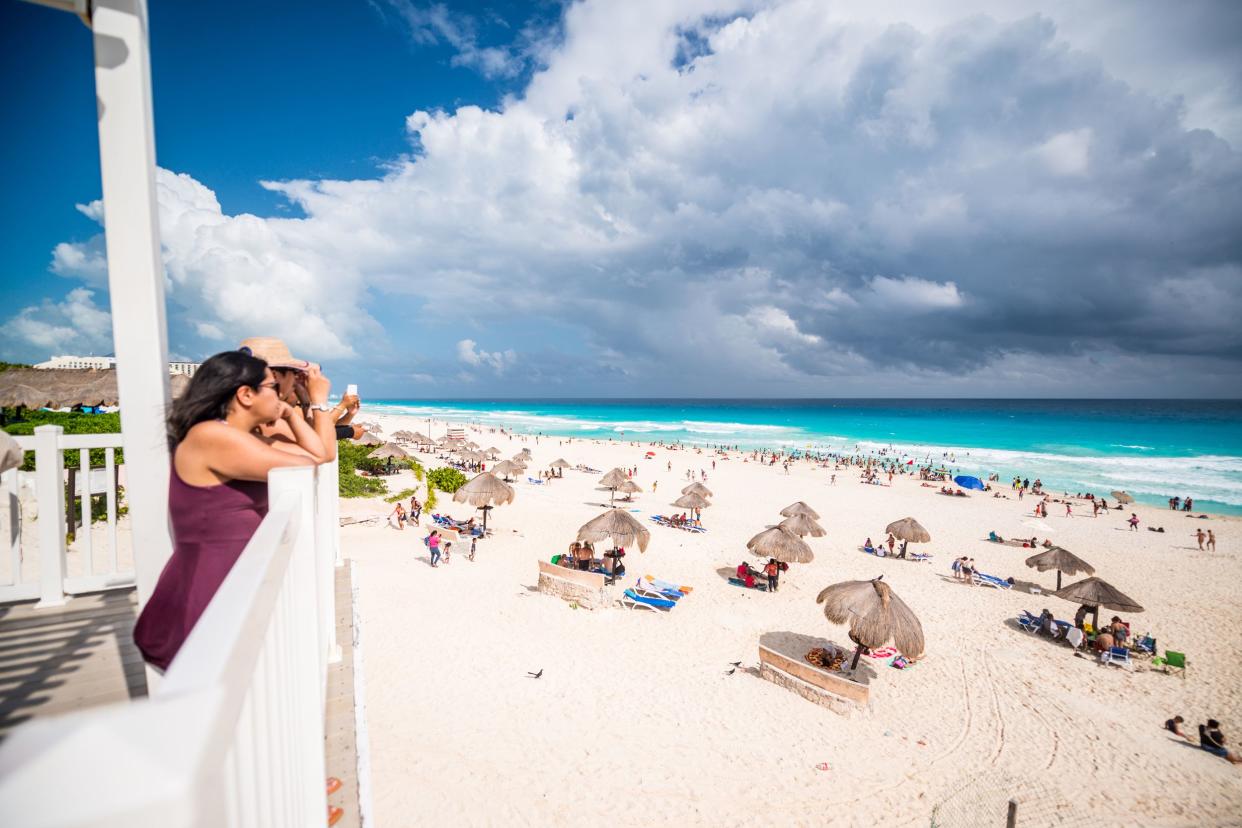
403	495
446	479
350	483
72	424
429	502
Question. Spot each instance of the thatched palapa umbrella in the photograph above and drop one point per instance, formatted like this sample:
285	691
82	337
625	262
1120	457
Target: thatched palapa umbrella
559	464
484	491
389	450
694	502
1122	497
508	467
875	615
799	508
802	525
368	439
492	453
908	529
630	488
612	480
697	488
420	438
1062	560
1096	593
781	544
620	526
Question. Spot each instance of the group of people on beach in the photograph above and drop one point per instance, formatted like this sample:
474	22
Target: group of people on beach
1211	738
771	571
1176	503
442	549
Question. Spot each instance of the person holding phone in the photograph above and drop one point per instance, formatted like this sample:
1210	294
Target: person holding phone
302	386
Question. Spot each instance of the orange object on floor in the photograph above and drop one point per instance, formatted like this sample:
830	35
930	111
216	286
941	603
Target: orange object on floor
334	785
335	814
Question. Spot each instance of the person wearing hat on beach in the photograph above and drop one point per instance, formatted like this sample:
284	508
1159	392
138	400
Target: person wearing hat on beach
303	387
217	488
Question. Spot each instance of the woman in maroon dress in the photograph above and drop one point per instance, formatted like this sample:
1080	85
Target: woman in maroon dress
217	489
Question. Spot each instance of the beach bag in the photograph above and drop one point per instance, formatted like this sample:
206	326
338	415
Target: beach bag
427	541
900	662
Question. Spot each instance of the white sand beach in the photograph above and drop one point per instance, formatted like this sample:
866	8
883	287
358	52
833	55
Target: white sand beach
636	721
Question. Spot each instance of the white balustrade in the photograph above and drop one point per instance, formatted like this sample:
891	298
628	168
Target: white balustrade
54	581
235	735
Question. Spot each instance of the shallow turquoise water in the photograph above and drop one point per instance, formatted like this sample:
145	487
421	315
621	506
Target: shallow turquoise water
1153	449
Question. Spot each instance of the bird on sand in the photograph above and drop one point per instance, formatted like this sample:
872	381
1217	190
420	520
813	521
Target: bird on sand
535	675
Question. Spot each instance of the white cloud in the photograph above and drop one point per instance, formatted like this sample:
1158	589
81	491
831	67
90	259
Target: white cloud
74	325
497	361
1067	153
647	223
913	294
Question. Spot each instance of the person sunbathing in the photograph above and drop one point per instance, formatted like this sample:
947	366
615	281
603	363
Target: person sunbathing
746	574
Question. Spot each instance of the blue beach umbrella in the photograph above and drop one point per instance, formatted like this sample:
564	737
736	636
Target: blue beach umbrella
968	482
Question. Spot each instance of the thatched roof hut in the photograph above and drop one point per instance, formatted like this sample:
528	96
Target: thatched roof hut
36	388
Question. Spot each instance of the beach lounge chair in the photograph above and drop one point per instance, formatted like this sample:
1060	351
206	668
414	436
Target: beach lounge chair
642	588
1171	660
632	600
992	581
1146	645
1029	622
658	584
1117	655
920	556
537	481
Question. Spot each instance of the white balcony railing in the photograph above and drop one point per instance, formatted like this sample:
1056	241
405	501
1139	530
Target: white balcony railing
97	560
235	734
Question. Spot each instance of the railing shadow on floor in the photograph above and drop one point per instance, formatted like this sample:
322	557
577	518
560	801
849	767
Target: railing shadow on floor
47	652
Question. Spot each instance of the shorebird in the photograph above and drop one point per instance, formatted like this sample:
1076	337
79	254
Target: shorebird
535	675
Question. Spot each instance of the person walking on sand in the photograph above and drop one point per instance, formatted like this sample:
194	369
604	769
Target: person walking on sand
397	517
1069	510
1200	536
1134	522
433	543
474	543
1211	541
892	542
447	552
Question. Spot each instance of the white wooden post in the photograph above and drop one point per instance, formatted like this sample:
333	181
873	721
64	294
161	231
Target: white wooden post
306	708
50	489
326	531
135	272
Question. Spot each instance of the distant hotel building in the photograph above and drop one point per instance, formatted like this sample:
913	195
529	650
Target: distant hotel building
108	363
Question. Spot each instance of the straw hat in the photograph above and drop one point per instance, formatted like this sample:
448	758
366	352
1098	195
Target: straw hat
274	352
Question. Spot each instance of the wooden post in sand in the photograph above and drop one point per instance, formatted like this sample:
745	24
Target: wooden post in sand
1011	819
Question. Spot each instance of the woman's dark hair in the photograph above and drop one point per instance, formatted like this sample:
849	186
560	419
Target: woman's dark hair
211	390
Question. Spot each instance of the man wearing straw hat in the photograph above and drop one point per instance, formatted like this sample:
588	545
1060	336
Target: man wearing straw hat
304	387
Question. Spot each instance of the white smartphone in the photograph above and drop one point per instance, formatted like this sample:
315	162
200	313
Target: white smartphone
351	390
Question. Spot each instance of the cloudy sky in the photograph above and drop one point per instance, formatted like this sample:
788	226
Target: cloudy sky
700	198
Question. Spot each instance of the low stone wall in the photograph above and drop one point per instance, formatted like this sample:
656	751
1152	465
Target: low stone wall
835	692
586	588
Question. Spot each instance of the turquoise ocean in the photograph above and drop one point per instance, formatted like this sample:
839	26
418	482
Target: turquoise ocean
1154	449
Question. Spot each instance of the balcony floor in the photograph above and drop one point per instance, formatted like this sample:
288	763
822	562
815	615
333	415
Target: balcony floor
68	658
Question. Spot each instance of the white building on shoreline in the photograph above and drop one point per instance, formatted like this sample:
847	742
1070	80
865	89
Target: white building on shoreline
60	363
107	363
